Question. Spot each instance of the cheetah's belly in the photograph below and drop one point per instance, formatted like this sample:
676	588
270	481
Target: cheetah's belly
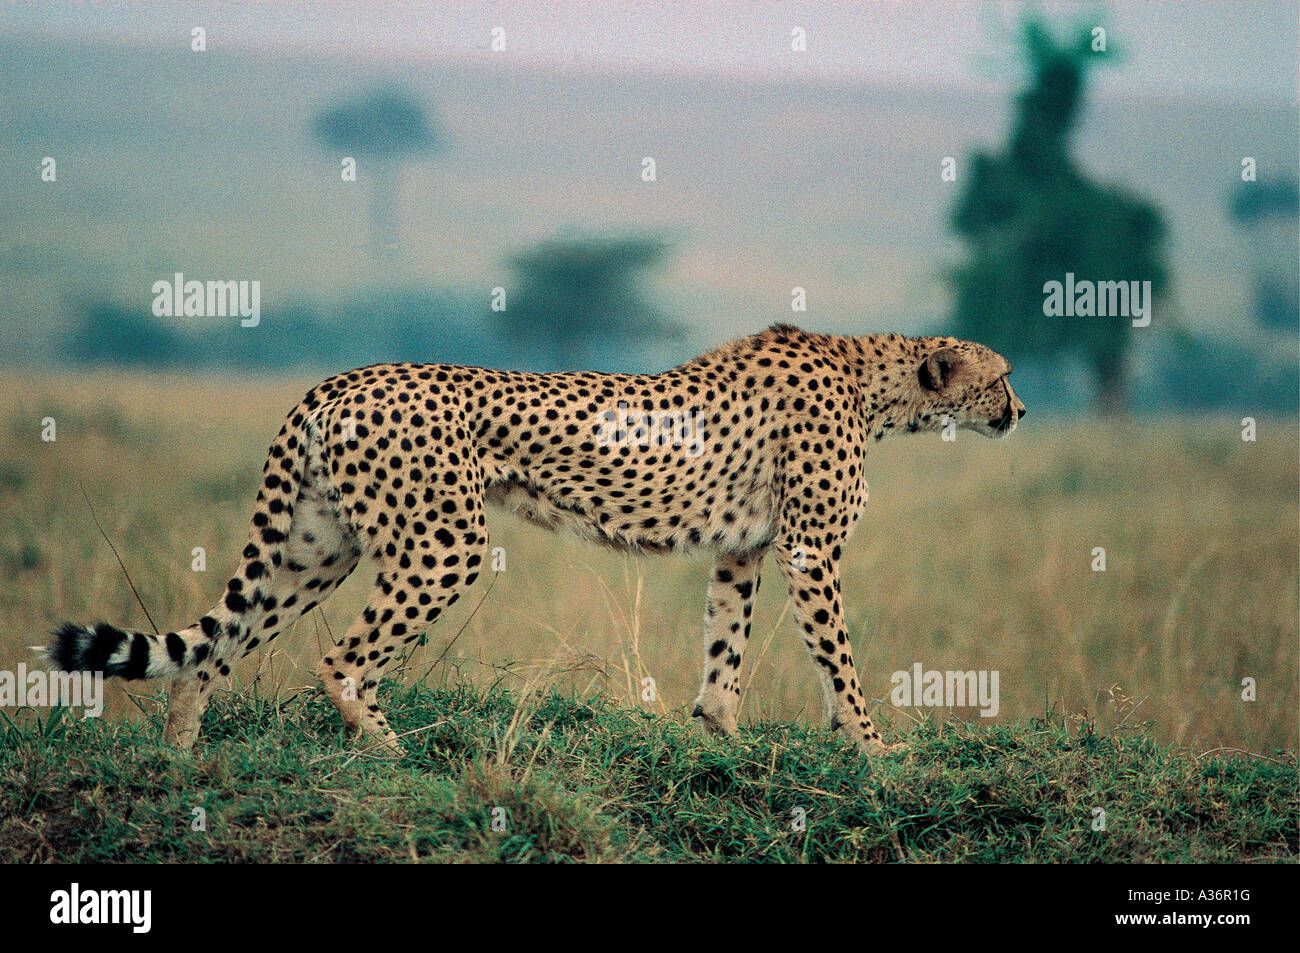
742	524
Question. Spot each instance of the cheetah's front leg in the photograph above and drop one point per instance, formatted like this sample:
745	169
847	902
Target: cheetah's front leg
813	576
726	633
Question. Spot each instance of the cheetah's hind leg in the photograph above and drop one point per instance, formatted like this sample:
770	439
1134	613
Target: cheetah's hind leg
403	605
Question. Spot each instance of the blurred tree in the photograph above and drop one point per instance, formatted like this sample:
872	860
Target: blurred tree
1267	211
381	130
1029	216
106	332
571	295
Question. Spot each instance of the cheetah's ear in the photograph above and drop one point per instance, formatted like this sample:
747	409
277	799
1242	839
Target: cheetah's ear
936	370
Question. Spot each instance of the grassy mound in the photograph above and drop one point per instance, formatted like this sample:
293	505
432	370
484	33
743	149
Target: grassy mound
490	778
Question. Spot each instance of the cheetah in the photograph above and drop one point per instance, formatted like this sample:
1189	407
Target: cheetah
399	462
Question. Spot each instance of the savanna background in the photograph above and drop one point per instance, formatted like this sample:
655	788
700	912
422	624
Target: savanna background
511	165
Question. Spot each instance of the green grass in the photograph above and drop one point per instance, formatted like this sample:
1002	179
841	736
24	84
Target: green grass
584	780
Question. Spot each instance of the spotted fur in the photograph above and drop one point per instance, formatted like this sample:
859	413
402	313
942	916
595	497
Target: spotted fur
398	462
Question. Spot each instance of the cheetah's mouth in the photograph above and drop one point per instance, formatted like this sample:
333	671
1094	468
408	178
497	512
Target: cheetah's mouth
1001	426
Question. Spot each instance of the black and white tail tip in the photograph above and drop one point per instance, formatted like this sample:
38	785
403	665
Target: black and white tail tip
100	648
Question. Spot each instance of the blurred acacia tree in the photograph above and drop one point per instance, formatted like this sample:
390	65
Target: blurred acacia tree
1029	215
380	129
574	297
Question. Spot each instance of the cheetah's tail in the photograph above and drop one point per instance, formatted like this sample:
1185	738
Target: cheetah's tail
124	654
133	655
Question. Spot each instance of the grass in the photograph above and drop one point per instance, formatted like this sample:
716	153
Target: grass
581	780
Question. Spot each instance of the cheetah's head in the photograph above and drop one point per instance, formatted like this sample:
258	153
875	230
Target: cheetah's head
966	382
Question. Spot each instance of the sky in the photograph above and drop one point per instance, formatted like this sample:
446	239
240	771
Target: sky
1229	51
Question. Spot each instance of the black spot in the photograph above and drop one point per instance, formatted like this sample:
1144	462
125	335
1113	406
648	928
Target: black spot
176	648
137	663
